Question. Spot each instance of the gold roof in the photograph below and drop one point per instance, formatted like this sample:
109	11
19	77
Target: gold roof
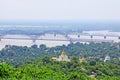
63	53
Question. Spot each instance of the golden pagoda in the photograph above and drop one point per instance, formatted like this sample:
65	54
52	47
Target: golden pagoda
63	53
63	56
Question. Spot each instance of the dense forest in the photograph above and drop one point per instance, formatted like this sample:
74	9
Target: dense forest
35	62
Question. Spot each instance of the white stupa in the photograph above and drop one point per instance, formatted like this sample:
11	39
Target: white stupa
107	58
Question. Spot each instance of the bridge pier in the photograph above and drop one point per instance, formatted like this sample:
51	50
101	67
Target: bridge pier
104	37
78	36
119	37
35	37
33	40
66	35
91	36
54	35
0	38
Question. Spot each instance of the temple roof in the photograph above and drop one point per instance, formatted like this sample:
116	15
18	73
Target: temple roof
63	53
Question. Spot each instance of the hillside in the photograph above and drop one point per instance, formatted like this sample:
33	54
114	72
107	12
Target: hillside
36	63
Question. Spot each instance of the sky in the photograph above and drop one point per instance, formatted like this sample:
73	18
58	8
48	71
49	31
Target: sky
59	9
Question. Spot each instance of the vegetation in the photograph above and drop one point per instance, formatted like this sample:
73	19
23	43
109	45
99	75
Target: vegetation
33	63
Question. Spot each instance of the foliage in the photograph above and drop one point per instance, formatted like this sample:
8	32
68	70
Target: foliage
35	63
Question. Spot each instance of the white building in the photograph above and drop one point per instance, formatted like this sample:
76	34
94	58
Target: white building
107	58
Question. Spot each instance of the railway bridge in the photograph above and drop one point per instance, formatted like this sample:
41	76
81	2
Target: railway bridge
63	37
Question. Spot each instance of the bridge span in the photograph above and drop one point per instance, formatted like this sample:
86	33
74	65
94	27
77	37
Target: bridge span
63	37
54	39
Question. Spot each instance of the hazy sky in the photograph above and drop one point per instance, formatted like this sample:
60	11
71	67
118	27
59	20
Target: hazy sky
59	9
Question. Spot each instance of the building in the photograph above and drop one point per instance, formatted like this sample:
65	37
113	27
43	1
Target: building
62	57
107	58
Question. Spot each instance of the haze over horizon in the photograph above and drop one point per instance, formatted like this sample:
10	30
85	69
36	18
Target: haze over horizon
103	10
81	14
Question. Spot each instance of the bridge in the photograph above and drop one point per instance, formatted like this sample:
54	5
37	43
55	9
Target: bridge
85	36
63	37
